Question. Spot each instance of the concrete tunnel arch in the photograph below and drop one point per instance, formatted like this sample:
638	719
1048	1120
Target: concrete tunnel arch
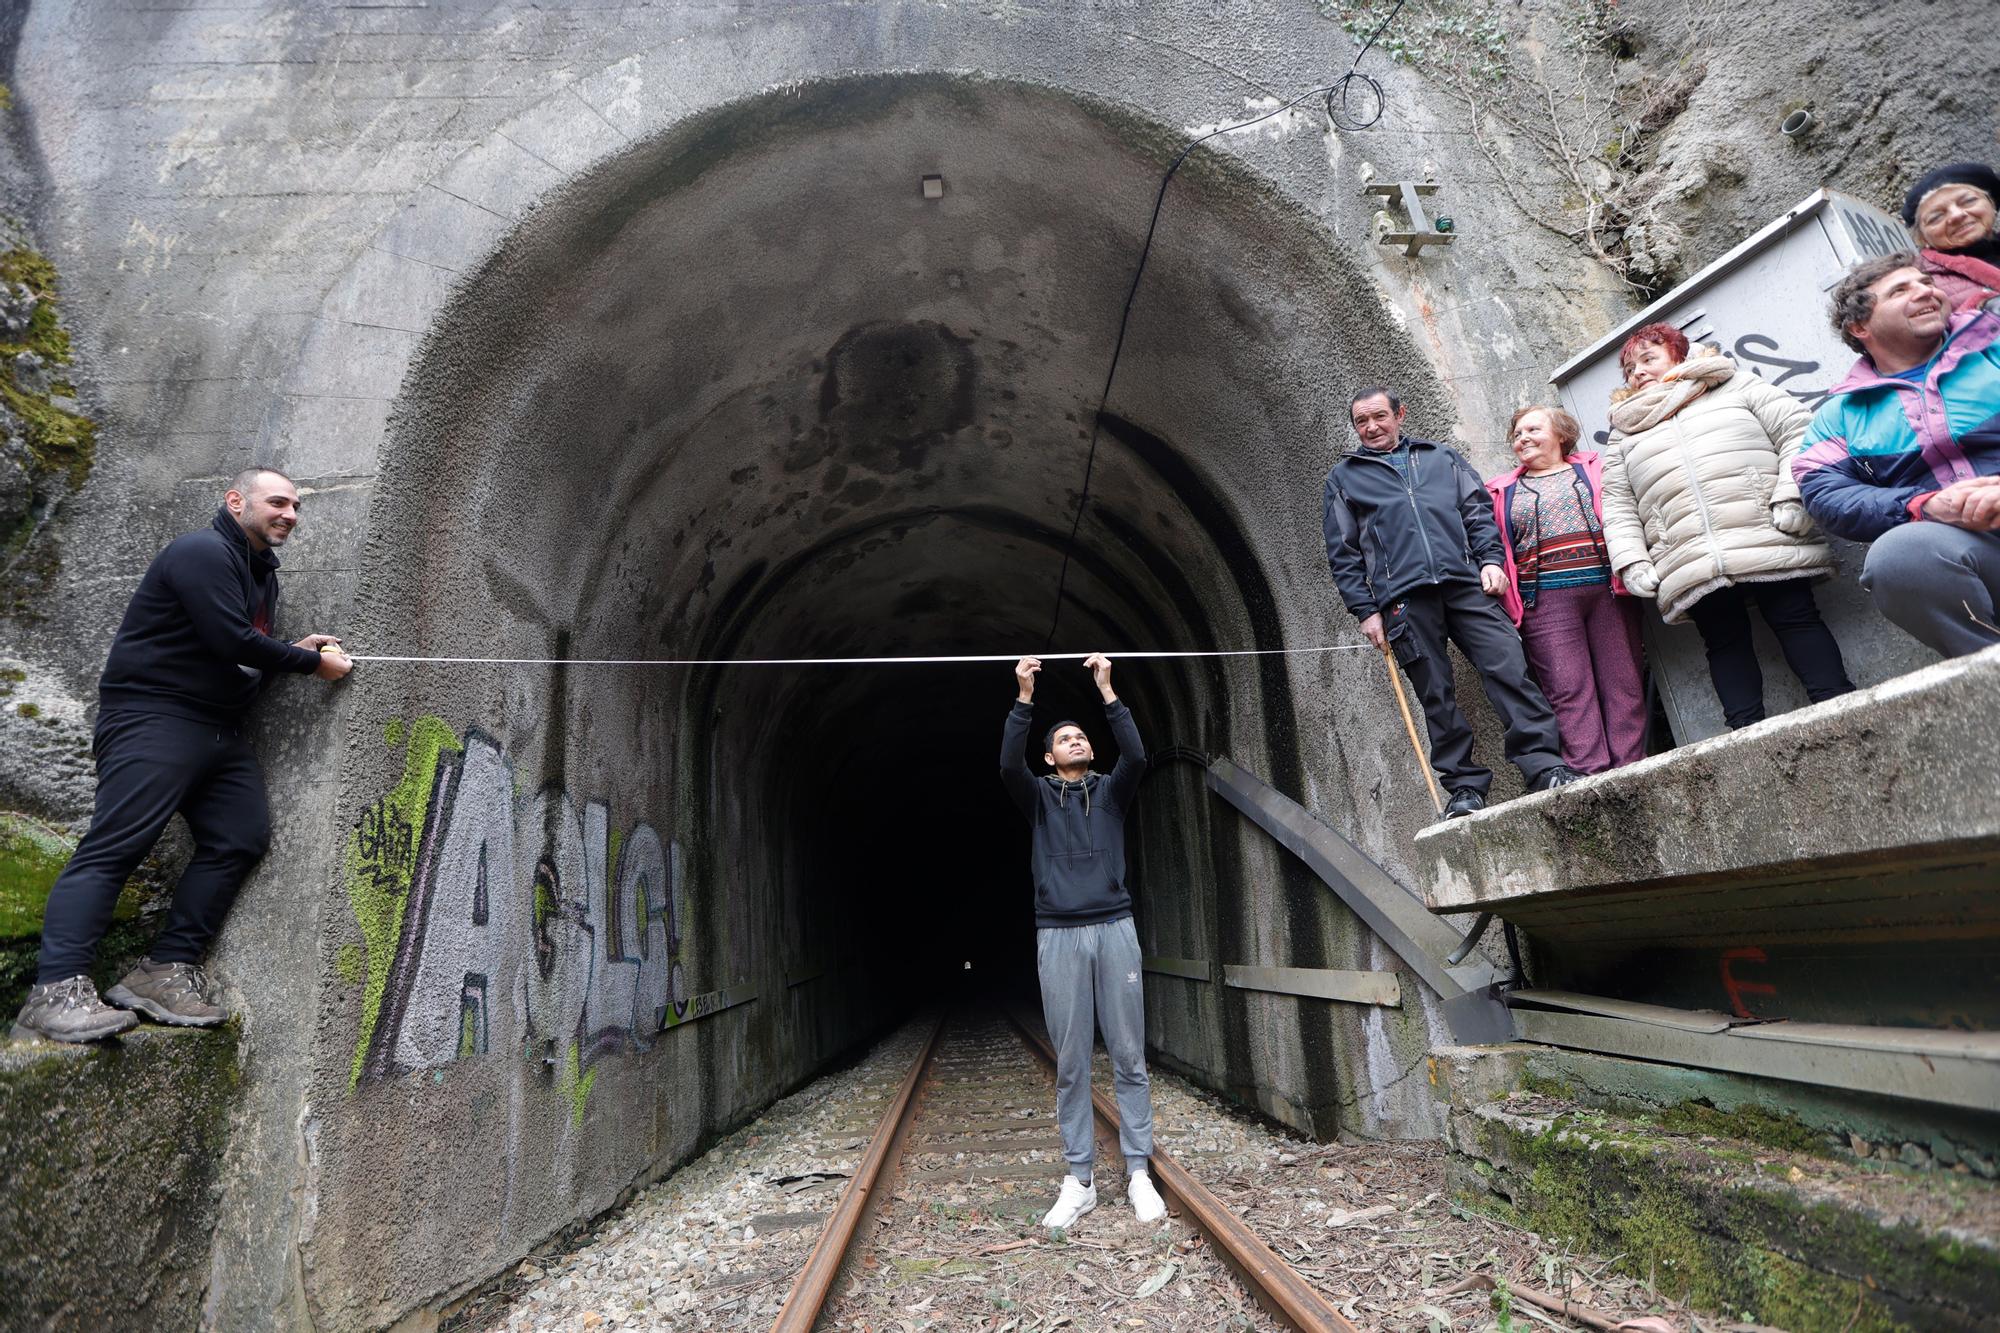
739	391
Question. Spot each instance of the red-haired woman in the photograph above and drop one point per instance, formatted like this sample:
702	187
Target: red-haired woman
1700	511
1580	629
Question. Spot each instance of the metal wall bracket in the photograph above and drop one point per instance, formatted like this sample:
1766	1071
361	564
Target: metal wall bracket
1422	230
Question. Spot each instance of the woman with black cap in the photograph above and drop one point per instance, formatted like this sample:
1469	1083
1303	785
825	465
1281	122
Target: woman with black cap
1951	210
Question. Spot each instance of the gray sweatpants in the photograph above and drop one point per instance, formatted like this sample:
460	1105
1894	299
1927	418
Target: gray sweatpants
1091	979
1932	579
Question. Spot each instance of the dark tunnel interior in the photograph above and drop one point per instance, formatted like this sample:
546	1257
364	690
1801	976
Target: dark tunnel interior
747	393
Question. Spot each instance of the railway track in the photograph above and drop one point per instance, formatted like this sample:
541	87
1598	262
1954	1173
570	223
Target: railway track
971	1132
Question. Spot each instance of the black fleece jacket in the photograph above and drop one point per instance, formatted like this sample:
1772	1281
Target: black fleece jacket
195	641
1389	530
1079	827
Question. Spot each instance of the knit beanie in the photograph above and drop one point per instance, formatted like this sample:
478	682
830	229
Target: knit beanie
1976	174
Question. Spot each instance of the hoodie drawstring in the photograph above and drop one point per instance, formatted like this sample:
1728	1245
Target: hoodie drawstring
1062	794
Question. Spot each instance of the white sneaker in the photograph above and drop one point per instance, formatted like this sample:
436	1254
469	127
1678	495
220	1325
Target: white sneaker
1146	1200
1075	1200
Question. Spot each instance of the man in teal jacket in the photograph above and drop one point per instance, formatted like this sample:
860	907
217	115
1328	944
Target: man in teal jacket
1905	453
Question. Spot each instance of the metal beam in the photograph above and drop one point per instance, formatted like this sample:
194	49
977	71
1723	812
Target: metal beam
1194	969
1472	1005
1320	983
1952	1069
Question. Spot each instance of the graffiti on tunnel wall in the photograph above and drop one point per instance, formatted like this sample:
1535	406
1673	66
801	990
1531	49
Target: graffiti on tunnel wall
495	923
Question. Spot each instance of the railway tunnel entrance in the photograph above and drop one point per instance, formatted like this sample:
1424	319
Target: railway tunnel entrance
750	393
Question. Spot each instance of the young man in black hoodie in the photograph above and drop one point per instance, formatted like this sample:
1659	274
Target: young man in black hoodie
1086	951
192	654
1415	552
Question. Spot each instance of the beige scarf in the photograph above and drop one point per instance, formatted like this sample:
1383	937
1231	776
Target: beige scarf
1634	410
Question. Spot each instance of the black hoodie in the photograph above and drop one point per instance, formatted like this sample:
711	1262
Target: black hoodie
1079	827
195	641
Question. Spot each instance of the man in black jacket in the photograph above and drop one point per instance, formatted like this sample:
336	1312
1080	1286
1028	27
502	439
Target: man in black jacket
1416	555
1086	951
192	654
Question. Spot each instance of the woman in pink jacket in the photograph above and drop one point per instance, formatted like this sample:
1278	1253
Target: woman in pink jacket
1580	630
1952	210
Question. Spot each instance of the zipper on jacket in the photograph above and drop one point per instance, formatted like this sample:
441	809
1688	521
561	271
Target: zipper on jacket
1700	500
1410	489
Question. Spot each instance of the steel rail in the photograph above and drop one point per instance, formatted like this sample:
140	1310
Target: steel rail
1275	1284
814	1281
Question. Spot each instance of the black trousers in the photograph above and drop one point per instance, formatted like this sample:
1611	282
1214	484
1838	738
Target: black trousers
1419	627
1723	617
148	767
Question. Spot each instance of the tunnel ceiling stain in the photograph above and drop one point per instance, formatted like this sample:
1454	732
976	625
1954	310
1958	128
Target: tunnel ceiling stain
745	390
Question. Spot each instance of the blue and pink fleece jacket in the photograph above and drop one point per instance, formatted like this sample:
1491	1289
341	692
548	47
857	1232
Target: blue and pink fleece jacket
1880	446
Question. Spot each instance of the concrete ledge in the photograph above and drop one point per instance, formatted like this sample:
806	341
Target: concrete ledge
1903	777
107	1168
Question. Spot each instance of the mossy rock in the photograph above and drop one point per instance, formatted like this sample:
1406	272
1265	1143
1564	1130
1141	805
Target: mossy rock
61	437
1811	1245
31	856
107	1183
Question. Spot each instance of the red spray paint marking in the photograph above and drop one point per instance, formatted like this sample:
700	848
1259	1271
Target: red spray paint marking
1736	986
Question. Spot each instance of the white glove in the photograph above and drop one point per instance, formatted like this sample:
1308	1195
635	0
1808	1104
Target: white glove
1790	517
1640	579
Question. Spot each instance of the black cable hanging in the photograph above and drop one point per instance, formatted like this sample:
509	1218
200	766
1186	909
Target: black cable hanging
1343	118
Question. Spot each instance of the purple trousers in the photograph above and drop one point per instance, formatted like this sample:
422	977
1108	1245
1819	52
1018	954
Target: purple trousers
1583	645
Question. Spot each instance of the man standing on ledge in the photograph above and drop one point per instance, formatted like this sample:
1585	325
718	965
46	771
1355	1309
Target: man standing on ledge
1416	555
1086	951
192	654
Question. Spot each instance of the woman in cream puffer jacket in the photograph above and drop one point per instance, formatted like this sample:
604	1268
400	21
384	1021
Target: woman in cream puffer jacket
1700	511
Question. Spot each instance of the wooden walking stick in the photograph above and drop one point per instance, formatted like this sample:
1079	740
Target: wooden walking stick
1410	725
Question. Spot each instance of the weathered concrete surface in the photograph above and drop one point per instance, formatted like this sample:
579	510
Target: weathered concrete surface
108	1184
627	332
1905	773
1715	1191
1781	1237
1836	864
1843	1125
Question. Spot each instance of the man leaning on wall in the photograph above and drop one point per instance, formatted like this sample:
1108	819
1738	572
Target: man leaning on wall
191	656
1905	453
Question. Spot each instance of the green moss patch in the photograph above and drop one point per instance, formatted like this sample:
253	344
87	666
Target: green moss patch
32	854
61	438
1770	1235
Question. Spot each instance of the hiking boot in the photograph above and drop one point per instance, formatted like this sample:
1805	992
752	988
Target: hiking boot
172	993
1463	802
69	1010
1559	776
1147	1204
1075	1200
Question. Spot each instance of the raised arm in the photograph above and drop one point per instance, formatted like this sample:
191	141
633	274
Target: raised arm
1131	765
1015	774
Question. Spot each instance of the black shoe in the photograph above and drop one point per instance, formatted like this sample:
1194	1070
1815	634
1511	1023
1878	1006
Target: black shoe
1463	802
1559	776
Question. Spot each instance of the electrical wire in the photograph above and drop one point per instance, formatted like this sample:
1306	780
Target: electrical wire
1342	116
1338	86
